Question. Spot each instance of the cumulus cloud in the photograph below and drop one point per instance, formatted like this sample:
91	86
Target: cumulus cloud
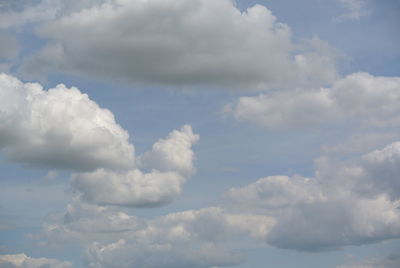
170	162
193	238
59	128
83	222
181	43
24	261
128	188
172	154
348	203
63	128
360	97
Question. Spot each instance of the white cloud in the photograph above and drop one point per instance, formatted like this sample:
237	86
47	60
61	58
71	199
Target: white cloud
63	128
170	162
193	238
59	128
172	154
360	97
347	203
382	166
128	188
83	222
181	43
23	261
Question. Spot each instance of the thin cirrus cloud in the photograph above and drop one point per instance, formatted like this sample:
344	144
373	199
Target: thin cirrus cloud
187	43
371	100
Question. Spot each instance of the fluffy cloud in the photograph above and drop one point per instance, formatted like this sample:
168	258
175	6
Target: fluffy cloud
59	128
193	238
128	188
63	128
23	261
83	222
359	96
170	162
344	204
172	154
181	43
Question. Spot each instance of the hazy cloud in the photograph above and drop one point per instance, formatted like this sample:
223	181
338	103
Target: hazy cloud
23	261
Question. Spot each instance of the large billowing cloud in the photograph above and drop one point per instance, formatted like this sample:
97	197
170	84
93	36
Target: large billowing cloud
360	96
23	261
169	42
59	128
344	204
62	128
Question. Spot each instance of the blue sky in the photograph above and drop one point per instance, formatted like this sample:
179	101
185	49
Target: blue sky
172	133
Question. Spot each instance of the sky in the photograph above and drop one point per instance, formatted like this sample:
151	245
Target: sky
199	134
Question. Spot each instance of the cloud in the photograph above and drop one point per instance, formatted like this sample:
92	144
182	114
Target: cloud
355	9
59	128
360	97
62	128
8	46
193	238
23	261
346	203
350	202
191	43
170	162
128	188
83	223
173	153
17	13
